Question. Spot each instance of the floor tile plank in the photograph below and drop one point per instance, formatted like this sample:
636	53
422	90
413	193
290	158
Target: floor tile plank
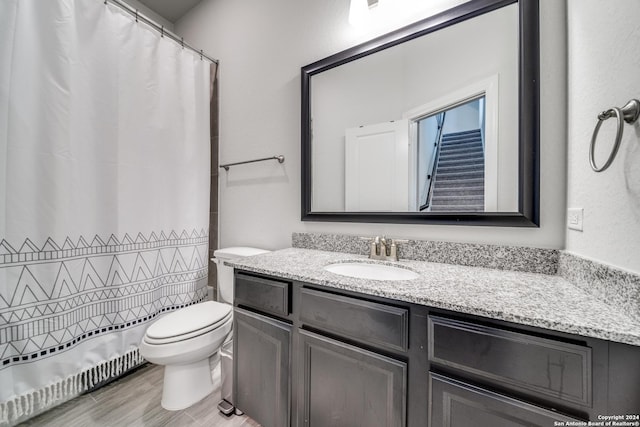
134	401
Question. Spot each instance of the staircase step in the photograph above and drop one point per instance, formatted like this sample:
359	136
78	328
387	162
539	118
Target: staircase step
458	183
464	132
449	162
462	148
460	143
465	149
453	153
445	154
462	167
450	208
454	141
458	191
460	160
459	166
457	200
459	175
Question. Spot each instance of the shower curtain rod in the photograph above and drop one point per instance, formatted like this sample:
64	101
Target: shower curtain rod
160	28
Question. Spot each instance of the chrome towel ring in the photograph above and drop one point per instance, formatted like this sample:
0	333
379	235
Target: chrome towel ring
629	113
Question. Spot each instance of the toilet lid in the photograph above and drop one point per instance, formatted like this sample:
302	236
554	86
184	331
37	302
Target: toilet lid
188	320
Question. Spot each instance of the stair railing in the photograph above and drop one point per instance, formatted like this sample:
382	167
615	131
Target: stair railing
431	177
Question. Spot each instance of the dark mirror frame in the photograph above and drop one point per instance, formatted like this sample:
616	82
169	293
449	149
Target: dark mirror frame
528	214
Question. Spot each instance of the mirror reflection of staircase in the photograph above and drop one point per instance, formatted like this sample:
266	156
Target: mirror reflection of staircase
459	174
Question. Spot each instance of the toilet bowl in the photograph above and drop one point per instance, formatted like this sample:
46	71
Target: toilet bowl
184	340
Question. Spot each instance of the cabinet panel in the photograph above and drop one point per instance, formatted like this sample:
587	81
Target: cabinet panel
457	404
346	386
543	366
268	295
624	379
261	368
381	325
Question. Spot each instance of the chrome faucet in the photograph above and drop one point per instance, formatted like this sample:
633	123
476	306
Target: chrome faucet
383	249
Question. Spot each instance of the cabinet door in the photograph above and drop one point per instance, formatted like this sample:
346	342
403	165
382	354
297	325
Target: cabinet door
261	368
346	386
457	404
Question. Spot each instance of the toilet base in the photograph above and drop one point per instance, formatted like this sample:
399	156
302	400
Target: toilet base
186	384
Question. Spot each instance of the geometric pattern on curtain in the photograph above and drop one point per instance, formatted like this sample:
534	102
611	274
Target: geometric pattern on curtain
104	194
97	287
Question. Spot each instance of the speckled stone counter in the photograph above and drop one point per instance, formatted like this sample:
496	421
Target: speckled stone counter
501	257
609	284
545	301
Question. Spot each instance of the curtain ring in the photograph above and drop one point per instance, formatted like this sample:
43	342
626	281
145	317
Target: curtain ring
601	118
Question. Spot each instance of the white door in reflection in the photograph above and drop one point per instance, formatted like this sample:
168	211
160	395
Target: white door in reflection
377	167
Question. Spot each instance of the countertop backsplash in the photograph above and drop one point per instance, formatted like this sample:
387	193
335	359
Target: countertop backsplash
616	287
514	258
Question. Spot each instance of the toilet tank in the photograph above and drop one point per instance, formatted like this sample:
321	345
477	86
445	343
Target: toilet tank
225	273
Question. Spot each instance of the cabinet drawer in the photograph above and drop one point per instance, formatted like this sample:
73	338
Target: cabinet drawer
546	367
269	295
458	404
380	325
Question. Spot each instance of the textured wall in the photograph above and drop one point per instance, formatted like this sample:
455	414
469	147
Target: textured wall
262	46
603	70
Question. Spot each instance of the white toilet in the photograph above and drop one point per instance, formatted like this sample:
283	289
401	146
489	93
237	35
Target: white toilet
183	341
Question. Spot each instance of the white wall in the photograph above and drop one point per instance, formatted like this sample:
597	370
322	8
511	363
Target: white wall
463	118
604	71
262	46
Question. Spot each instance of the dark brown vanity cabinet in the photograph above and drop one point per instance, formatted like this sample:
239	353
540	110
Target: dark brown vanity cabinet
521	364
347	378
308	357
458	404
314	356
262	350
344	385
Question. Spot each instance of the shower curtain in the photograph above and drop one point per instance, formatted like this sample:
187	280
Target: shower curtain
104	194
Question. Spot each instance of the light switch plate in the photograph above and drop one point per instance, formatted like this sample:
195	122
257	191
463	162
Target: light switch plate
575	217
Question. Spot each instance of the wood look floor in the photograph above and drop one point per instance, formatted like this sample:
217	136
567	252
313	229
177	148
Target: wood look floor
135	401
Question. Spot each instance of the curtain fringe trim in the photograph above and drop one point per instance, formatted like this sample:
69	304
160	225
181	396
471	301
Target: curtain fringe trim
49	396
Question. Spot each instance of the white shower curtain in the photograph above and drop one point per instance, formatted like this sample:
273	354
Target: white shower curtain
104	193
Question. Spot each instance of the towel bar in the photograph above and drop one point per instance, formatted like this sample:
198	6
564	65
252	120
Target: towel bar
279	158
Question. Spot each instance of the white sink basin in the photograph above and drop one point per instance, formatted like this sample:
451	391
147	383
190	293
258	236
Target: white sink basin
364	270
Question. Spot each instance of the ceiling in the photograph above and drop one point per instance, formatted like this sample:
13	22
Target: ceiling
171	10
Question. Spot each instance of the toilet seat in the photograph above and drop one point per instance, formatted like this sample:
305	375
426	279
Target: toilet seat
188	322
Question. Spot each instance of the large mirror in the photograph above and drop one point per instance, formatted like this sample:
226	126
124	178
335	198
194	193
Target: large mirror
434	123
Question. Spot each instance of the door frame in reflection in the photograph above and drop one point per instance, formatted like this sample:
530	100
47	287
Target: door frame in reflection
490	89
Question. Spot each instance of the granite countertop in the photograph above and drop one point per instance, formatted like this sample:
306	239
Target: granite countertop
545	301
